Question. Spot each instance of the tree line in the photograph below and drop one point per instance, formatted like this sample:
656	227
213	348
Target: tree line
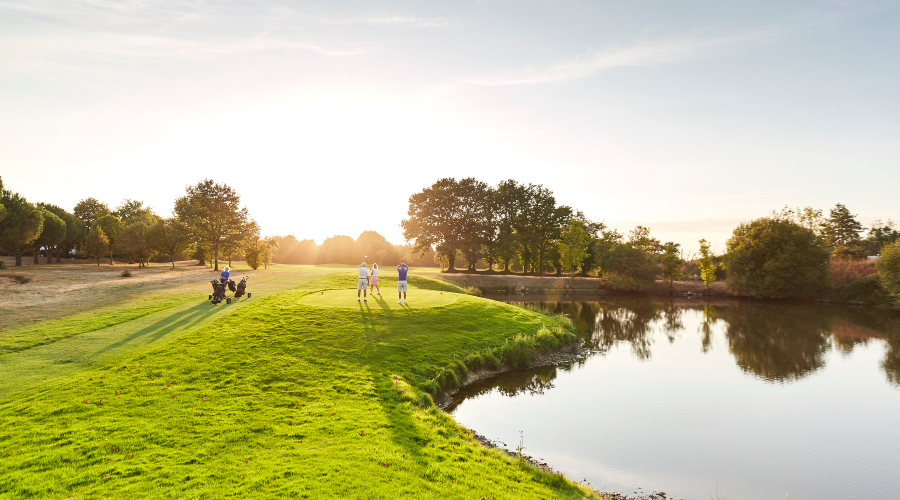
208	222
343	249
516	227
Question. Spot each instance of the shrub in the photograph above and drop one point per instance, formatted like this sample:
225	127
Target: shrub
21	279
889	269
471	290
2	264
126	274
844	271
776	258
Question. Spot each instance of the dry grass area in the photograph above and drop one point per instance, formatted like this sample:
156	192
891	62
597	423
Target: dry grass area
845	271
55	290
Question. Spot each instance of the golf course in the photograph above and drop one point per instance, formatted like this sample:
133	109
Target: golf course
297	392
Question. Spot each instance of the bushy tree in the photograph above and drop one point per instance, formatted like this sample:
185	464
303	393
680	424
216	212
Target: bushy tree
134	241
170	237
707	263
76	230
267	251
96	244
671	263
111	226
889	269
573	246
213	213
22	224
132	210
776	258
53	233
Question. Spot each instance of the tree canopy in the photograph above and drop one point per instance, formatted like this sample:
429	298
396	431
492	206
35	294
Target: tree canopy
776	258
212	213
22	224
89	210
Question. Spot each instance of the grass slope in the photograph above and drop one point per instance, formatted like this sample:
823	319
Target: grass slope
279	397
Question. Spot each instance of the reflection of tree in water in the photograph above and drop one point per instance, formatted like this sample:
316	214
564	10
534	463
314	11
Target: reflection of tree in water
778	342
533	381
775	341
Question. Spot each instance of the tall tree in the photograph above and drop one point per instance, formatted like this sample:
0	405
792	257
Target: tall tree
706	263
889	269
96	244
89	210
671	262
472	205
212	212
170	237
267	252
76	230
134	241
573	246
841	227
111	226
53	233
434	220
506	206
21	226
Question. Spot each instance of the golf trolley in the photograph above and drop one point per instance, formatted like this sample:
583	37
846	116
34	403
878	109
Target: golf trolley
220	286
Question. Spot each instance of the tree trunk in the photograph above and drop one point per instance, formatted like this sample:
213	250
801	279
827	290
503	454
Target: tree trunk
110	258
19	259
451	262
173	260
37	250
58	252
98	261
49	255
216	256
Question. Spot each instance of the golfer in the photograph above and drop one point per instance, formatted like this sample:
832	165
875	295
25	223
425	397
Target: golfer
226	273
402	269
362	284
373	282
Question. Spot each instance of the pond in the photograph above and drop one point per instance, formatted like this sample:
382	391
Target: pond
753	400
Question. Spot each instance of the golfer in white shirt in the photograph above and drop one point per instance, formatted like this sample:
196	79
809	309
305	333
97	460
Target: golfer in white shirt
362	284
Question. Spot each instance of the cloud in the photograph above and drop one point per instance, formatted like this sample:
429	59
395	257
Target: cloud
116	46
652	53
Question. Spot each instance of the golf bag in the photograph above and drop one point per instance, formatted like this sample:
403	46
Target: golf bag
241	288
230	284
218	294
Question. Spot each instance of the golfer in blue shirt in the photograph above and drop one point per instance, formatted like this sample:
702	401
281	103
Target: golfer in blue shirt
402	269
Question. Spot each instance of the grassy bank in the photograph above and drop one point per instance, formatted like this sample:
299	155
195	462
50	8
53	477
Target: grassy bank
303	393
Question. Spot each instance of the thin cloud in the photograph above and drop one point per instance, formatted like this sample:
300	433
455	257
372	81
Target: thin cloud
652	53
411	22
139	46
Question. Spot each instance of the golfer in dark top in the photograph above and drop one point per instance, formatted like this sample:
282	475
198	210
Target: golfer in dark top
402	269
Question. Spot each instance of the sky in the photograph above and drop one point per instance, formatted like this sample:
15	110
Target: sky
687	117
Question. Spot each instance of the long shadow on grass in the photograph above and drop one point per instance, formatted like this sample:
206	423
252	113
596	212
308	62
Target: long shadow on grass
157	330
404	432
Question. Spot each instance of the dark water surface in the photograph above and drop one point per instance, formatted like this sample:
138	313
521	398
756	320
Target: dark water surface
756	399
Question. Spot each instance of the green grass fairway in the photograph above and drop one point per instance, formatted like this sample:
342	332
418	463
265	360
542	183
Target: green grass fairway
275	397
388	301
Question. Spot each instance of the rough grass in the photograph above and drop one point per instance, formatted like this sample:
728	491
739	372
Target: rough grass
275	399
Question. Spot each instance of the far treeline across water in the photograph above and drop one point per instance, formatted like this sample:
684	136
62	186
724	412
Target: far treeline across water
505	229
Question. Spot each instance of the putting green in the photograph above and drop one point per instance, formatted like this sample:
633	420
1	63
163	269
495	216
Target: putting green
417	299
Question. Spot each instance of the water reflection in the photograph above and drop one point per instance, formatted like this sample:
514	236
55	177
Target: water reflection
776	342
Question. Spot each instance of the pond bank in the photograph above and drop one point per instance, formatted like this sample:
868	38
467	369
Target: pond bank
560	285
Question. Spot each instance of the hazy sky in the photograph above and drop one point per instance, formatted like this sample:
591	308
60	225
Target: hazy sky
326	116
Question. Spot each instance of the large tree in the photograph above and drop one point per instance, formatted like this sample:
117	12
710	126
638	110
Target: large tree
76	230
132	210
573	246
170	237
776	258
21	226
53	233
889	269
134	241
213	213
434	220
841	227
111	226
89	210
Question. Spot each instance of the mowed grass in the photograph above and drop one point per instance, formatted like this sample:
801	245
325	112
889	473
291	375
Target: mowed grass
277	398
